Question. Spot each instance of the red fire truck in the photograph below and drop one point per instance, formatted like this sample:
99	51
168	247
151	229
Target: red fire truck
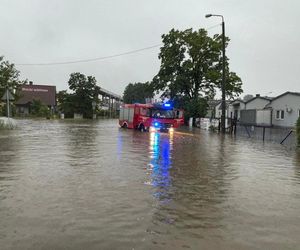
150	117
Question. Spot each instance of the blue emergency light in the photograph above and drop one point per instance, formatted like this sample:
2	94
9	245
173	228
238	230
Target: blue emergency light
156	124
167	105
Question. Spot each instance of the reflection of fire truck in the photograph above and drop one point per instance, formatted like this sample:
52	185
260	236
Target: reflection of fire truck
150	117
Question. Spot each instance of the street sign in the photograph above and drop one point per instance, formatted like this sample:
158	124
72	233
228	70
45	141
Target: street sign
7	95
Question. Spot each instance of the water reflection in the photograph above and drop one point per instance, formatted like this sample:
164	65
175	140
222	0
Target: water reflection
160	148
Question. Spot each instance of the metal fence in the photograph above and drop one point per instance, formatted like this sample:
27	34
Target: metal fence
285	136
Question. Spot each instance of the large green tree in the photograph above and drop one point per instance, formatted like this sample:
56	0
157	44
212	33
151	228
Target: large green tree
9	77
85	91
191	67
137	92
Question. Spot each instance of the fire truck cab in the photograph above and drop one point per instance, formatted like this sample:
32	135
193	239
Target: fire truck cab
150	117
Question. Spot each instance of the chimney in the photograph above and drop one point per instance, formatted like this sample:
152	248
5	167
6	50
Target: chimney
257	95
30	82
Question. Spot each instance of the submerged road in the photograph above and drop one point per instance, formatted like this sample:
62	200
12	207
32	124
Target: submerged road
90	185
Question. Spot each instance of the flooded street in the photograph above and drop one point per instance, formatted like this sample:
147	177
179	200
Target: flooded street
90	185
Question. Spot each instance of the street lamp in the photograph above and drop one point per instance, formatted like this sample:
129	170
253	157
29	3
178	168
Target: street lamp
223	103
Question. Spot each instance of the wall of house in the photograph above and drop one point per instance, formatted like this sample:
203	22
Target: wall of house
290	104
232	109
22	109
218	111
257	103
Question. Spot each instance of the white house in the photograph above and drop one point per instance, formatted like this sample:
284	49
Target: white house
286	109
218	110
257	102
235	107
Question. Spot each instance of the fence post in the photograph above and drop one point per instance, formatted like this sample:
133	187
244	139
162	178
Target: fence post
286	136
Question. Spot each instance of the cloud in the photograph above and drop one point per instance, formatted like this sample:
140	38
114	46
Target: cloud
263	48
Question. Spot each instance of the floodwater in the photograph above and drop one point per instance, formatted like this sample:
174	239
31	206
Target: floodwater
90	185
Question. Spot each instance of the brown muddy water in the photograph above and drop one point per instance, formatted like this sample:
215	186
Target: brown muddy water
91	185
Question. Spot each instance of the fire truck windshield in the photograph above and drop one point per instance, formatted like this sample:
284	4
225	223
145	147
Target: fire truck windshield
162	113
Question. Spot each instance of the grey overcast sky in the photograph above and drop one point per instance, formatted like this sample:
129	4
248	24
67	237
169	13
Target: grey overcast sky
264	48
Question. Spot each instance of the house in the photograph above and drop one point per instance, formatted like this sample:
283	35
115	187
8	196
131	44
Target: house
235	107
285	109
218	109
258	102
27	93
211	108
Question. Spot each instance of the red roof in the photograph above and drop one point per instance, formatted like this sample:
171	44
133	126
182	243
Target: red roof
44	93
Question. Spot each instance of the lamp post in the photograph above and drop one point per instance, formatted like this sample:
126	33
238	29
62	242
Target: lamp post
223	103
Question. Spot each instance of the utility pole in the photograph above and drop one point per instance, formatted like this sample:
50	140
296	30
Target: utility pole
223	102
223	129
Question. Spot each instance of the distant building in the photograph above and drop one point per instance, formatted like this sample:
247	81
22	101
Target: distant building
234	109
218	109
285	109
211	108
29	92
258	102
281	111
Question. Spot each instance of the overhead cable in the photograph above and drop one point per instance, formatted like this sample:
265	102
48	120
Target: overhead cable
97	58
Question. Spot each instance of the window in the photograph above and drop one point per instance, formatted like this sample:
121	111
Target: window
279	114
162	113
145	111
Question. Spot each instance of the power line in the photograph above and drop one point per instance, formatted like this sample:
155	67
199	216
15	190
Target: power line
214	26
99	58
90	59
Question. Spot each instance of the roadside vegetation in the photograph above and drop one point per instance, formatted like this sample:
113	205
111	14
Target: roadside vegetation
83	92
138	92
38	109
9	80
7	123
190	72
298	131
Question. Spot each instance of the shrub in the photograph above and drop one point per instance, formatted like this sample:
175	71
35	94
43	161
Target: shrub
38	109
298	131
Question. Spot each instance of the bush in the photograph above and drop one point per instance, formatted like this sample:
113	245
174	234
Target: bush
298	131
3	110
38	109
7	123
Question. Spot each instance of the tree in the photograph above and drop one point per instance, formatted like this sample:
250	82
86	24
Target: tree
65	103
85	91
192	107
247	97
298	131
37	108
9	77
191	67
137	92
